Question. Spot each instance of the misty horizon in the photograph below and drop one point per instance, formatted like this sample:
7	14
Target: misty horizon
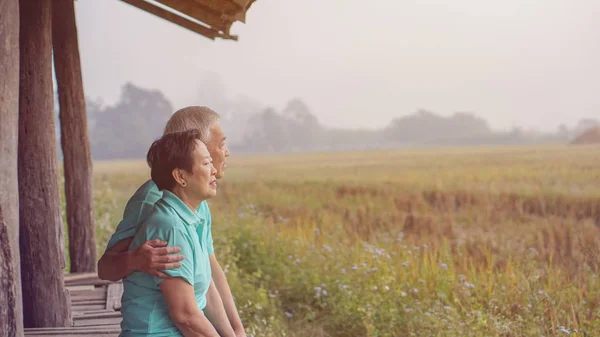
514	64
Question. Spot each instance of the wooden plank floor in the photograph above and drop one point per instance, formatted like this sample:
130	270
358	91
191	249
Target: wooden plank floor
95	308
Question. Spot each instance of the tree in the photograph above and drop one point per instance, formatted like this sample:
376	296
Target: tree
11	317
74	138
41	238
127	129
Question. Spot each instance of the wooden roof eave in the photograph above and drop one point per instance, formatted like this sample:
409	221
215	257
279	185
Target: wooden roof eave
210	33
214	19
225	6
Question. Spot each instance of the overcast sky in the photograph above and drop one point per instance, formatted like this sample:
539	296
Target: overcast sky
355	63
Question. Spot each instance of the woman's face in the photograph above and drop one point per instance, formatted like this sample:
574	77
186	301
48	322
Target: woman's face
201	182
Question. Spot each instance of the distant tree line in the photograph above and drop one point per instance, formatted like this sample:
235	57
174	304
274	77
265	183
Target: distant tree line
126	129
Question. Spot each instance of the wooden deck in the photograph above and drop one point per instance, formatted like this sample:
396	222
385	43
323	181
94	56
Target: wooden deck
95	308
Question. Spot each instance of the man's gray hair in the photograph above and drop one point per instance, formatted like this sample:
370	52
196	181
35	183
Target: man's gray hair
193	117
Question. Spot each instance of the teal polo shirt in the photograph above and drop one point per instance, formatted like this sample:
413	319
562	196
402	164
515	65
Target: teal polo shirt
138	208
143	306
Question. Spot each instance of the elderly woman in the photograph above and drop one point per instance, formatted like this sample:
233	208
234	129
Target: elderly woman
182	168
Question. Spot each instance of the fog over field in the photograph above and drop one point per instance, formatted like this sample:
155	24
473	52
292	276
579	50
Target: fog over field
356	64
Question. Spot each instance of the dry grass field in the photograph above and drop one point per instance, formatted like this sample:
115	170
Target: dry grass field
435	242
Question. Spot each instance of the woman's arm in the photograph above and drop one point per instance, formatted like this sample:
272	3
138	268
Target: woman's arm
183	309
215	312
225	296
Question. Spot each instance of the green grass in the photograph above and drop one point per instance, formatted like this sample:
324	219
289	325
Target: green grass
440	242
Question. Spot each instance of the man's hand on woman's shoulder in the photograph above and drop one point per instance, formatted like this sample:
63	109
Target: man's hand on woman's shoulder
154	256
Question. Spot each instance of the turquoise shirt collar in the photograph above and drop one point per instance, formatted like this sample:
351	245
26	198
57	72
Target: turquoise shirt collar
186	214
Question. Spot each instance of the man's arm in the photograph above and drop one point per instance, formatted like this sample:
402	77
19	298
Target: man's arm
151	257
222	286
183	309
215	312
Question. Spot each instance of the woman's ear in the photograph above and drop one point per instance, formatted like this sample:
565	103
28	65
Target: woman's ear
178	176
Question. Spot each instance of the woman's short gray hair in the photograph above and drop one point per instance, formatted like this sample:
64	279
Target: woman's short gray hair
193	117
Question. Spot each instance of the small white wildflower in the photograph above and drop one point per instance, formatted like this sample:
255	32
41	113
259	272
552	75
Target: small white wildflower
469	285
444	266
386	288
407	310
415	290
400	237
343	270
327	248
354	267
405	264
298	261
447	308
373	270
289	314
565	330
375	288
422	281
403	294
290	257
425	246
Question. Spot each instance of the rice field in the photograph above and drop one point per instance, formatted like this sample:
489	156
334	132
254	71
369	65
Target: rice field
475	241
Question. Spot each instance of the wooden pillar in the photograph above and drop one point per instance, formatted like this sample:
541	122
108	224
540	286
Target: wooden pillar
74	138
11	318
41	240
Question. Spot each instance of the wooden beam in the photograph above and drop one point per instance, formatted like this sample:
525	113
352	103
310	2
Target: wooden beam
220	6
11	309
41	239
242	3
200	13
230	10
74	138
178	20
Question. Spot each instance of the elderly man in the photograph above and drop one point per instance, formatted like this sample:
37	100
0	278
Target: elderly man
154	256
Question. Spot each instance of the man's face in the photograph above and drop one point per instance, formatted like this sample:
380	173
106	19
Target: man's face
218	148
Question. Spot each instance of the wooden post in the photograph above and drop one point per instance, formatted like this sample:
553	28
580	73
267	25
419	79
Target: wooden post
11	317
74	138
41	240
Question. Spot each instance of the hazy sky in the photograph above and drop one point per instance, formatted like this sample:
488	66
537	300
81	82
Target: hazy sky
534	63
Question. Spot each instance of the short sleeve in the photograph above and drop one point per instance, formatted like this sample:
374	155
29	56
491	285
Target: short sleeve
176	237
137	209
126	229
